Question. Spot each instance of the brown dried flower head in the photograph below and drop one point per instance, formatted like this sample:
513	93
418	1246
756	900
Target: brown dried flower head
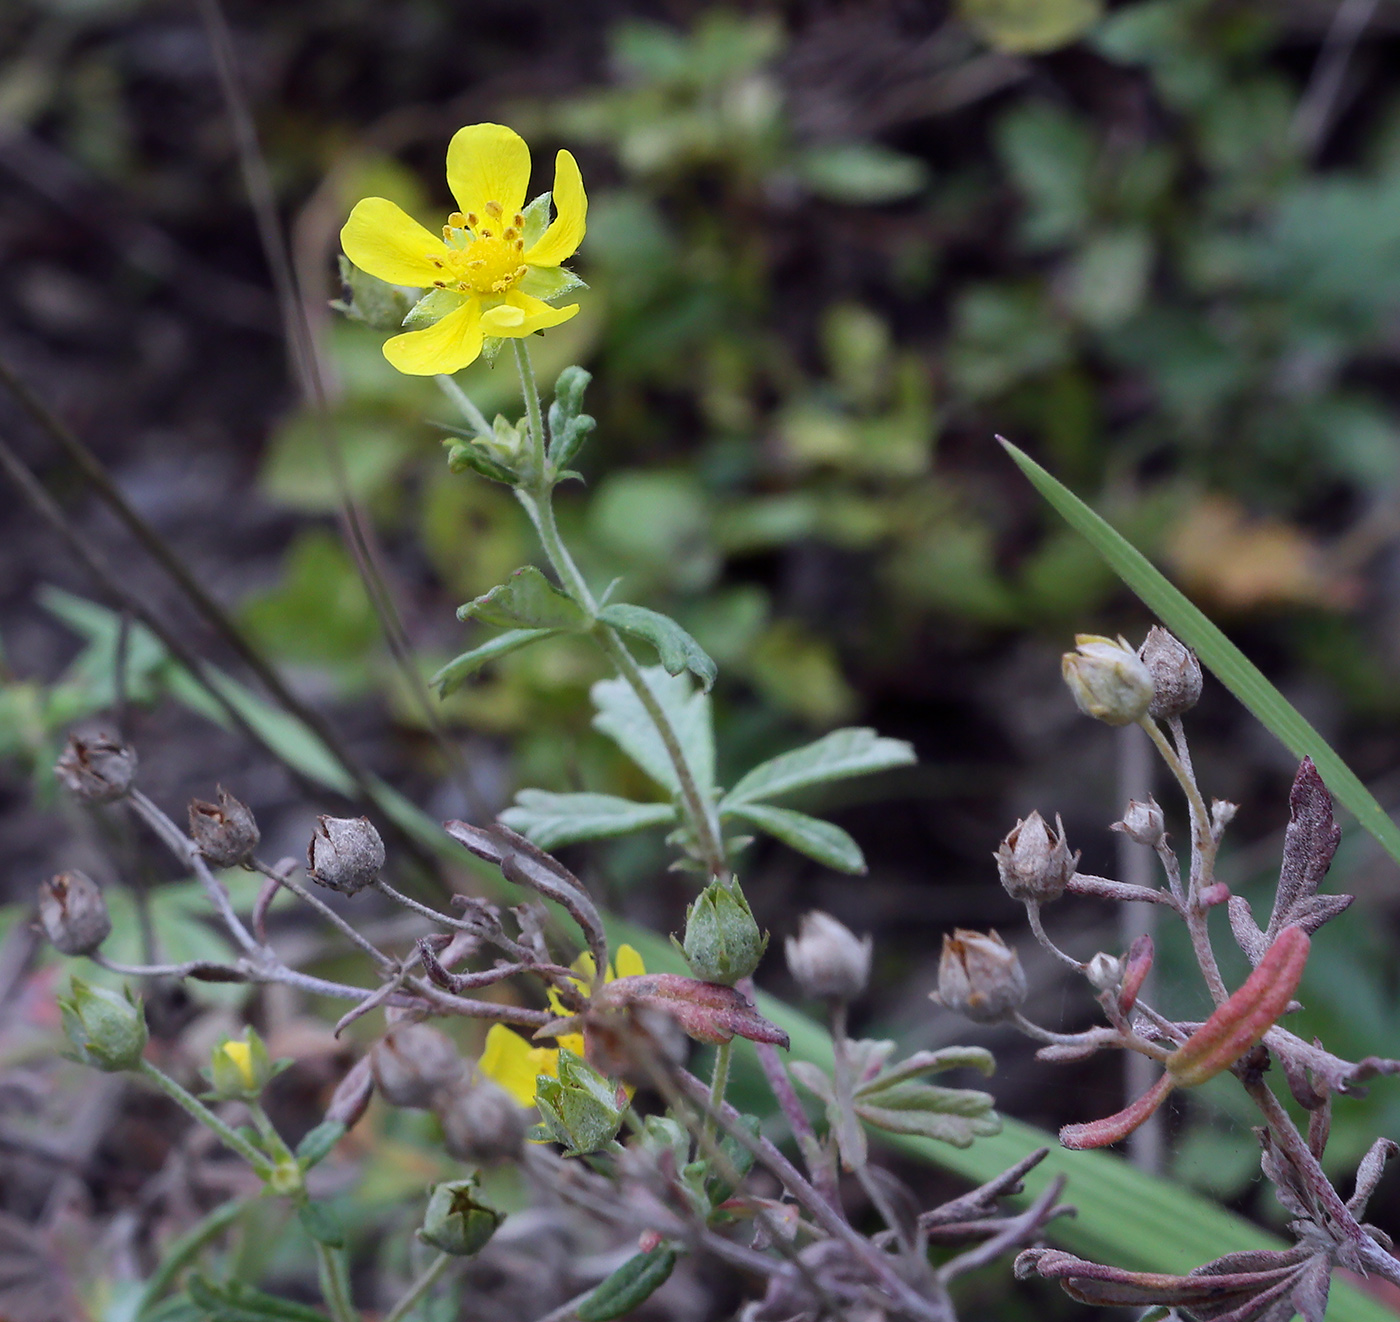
1034	862
346	854
73	913
980	976
96	770
1176	673
225	832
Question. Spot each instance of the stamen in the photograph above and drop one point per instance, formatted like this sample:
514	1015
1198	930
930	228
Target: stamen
457	220
519	221
494	210
510	235
471	220
440	284
476	264
520	245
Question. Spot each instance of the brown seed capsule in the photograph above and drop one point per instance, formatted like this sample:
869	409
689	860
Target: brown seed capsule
1142	823
481	1123
1034	862
73	913
412	1063
980	976
225	832
96	770
827	959
345	854
1176	674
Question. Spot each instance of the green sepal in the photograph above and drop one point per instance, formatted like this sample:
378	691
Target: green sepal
459	669
319	1143
536	220
724	1183
630	1286
675	648
371	300
322	1224
547	282
432	308
527	599
468	454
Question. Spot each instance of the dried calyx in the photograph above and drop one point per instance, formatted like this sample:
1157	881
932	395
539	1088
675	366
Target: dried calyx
73	913
345	854
980	976
1175	671
1034	862
224	832
98	769
827	959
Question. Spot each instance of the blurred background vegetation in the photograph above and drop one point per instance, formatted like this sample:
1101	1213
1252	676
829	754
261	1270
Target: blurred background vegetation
833	250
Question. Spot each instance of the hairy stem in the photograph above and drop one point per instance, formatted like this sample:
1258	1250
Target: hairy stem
425	1282
335	1287
719	1085
187	1101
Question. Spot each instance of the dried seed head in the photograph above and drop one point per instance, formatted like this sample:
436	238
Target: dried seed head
225	833
412	1063
481	1123
980	976
73	913
345	854
96	770
1107	680
456	1222
1176	674
1142	823
827	959
1034	862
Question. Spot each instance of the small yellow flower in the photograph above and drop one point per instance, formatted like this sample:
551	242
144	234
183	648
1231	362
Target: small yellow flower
492	270
510	1061
240	1056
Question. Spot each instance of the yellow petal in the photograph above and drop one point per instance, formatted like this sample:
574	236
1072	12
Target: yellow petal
511	1062
446	346
629	963
383	239
561	240
535	314
572	1042
488	163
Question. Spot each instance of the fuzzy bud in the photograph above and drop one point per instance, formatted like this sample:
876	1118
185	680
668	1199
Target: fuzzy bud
980	976
722	941
1104	971
827	959
456	1222
345	854
412	1063
96	770
1034	862
481	1124
73	913
1107	680
1142	823
579	1108
106	1030
225	832
1176	673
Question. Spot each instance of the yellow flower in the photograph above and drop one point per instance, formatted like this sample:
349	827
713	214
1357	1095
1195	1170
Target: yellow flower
510	1061
240	1055
496	263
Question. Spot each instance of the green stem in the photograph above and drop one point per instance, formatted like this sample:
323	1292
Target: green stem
182	1251
420	1287
190	1103
335	1288
719	1085
272	1140
459	397
537	497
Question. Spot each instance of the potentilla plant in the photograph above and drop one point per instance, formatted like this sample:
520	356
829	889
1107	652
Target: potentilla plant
583	1082
1245	1035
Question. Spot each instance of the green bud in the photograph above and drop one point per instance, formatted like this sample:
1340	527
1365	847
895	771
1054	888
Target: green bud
722	941
107	1031
579	1107
239	1068
455	1221
1107	679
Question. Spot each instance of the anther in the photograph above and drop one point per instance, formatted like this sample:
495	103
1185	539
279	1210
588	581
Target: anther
510	235
520	245
494	210
471	220
519	220
457	220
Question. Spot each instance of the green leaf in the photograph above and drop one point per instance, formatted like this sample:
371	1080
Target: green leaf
459	669
465	454
527	599
624	720
236	1302
550	819
1229	665
857	751
318	1143
861	173
568	426
322	1224
676	648
630	1286
178	1308
824	841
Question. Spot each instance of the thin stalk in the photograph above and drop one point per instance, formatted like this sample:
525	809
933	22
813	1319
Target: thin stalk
335	1289
187	1101
425	1282
719	1085
182	1252
1038	929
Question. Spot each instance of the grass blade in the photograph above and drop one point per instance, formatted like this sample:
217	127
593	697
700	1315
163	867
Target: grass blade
1229	665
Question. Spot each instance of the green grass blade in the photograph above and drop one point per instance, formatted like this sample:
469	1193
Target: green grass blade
1229	665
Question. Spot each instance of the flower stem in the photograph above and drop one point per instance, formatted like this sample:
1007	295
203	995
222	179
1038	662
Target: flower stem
719	1085
190	1103
538	499
425	1282
335	1288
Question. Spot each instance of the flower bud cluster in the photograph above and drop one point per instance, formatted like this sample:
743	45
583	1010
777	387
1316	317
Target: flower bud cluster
1034	862
722	941
73	913
980	976
346	854
96	770
224	832
827	959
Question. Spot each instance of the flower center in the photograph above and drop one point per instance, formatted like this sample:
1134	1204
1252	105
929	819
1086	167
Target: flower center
484	253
